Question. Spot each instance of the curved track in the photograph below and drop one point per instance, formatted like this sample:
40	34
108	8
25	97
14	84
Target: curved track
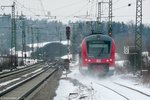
126	92
148	95
114	91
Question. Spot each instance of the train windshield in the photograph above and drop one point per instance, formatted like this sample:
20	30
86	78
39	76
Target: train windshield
98	49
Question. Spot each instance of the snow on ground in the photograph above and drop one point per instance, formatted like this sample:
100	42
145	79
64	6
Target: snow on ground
68	89
45	43
36	71
80	87
13	80
28	53
131	81
66	56
5	83
6	70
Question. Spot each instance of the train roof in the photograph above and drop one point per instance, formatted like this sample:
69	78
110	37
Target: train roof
98	37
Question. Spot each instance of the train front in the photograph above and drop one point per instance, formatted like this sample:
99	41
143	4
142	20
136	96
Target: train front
98	54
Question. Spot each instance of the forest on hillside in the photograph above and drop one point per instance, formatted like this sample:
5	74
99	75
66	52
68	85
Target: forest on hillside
123	34
42	30
45	31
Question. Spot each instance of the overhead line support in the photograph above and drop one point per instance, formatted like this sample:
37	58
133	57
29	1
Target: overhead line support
138	34
110	19
23	38
13	36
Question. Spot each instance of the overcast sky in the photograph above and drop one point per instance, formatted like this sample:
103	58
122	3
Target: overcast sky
71	9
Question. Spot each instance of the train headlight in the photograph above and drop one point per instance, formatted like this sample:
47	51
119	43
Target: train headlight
89	60
110	59
107	60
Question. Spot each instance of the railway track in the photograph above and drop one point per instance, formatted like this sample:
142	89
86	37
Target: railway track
11	78
22	89
148	95
126	92
6	74
126	98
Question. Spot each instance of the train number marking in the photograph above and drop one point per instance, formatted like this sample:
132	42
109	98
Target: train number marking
98	60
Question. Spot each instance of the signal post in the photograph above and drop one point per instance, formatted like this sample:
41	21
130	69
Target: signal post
67	61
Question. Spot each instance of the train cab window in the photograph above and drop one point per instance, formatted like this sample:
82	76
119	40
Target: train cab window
98	49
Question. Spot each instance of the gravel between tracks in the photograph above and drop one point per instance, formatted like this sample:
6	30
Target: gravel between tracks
47	90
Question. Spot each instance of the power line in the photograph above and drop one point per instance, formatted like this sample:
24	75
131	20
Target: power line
42	7
116	1
19	4
89	13
126	16
54	17
68	5
28	9
123	6
79	9
118	8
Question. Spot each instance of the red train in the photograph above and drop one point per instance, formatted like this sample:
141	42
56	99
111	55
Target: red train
97	54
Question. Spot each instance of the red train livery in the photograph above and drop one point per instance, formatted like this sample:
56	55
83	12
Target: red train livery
97	54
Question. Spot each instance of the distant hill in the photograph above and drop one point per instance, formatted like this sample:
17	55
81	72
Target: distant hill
51	51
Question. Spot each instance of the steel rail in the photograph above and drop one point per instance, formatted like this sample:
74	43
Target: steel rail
3	75
113	91
19	84
35	87
132	89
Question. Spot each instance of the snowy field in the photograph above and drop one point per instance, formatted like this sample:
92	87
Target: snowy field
80	87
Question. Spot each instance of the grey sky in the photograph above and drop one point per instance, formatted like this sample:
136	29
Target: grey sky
71	9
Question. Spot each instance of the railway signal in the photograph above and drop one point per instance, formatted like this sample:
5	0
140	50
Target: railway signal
68	32
110	19
110	34
68	59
